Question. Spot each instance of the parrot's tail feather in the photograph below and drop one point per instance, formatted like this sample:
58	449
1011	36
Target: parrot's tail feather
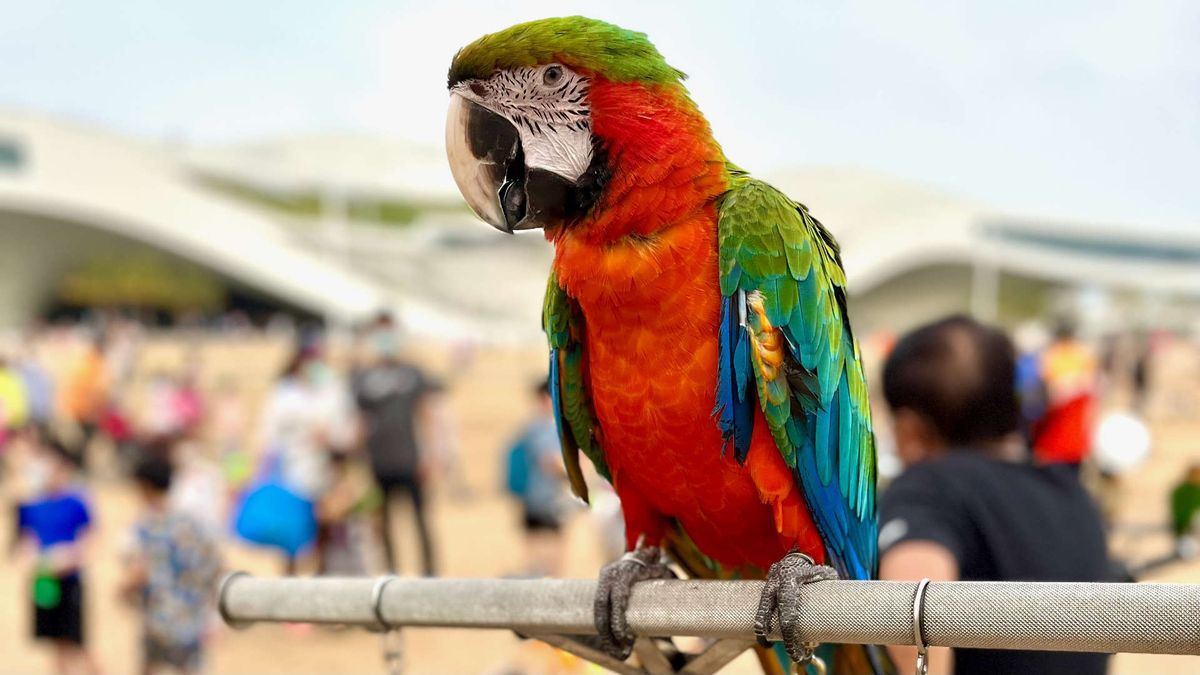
774	659
852	659
840	659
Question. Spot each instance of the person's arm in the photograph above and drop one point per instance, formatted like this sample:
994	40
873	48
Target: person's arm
429	439
428	431
914	560
925	532
22	549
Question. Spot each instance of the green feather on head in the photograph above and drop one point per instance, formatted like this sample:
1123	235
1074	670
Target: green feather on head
586	44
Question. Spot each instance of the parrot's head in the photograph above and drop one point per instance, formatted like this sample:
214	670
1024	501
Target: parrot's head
542	112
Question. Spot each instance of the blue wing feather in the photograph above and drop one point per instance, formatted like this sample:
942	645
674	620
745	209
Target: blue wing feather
556	392
735	398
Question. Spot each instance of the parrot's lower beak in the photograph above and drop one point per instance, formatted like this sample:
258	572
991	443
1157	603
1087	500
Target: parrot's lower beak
488	164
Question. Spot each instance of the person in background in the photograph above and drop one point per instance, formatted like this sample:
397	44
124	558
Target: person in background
85	394
393	403
969	504
1185	505
171	573
122	345
51	530
14	400
173	406
39	388
298	426
228	425
537	477
1030	339
342	517
1070	373
1140	380
198	486
187	404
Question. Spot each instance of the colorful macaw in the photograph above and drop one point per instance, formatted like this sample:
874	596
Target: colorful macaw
700	351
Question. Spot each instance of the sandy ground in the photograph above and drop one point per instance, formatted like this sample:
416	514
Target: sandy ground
477	537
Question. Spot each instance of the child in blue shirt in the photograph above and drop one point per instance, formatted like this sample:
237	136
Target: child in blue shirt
52	526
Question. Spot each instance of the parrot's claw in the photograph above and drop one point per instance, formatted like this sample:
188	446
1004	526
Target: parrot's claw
780	602
612	597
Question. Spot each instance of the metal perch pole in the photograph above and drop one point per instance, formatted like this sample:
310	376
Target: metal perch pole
1147	618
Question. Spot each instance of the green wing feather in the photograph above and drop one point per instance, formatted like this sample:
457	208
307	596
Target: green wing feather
576	421
775	252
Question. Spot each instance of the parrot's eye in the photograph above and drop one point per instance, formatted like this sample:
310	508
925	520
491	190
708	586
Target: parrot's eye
552	76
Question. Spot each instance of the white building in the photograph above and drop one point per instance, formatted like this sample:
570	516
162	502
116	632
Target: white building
69	192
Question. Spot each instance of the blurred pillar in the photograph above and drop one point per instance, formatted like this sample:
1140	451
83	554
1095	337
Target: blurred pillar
985	289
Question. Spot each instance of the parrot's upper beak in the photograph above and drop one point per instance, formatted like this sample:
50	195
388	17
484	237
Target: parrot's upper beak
488	164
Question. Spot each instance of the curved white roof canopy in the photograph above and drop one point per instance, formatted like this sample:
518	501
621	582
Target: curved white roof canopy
74	173
887	227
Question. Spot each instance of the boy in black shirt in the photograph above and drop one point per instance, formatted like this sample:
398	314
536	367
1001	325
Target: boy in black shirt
969	504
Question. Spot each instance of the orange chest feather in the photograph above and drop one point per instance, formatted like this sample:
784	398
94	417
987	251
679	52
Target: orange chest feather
651	309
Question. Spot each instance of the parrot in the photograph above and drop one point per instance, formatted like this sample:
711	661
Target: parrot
701	354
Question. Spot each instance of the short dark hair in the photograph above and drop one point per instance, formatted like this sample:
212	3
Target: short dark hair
154	471
959	374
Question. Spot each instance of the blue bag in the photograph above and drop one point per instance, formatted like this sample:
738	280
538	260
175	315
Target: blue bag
270	514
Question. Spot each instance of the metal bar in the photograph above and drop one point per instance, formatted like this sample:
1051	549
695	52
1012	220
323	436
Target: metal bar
1147	618
653	661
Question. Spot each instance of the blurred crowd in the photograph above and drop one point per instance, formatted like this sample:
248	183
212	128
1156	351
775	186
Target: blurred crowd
318	467
350	433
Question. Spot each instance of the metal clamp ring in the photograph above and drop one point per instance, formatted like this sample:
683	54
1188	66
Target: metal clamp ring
222	610
377	600
918	627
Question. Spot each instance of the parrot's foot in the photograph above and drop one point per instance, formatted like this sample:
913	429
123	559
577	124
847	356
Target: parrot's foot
780	601
612	597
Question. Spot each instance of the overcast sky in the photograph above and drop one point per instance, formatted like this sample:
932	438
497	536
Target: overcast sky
1085	109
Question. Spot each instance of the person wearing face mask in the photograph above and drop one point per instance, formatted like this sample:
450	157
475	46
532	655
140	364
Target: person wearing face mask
394	400
306	416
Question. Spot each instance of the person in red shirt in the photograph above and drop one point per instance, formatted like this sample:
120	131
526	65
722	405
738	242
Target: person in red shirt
1069	370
